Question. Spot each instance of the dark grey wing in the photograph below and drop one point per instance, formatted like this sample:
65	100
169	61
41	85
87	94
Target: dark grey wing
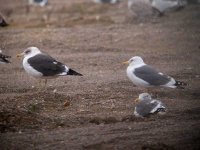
152	76
47	65
144	108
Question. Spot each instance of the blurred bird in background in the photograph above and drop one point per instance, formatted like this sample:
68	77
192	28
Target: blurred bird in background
41	3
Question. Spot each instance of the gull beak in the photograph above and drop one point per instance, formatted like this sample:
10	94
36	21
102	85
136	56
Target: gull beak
137	100
20	55
126	62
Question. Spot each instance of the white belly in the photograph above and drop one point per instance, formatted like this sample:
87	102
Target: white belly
137	81
30	70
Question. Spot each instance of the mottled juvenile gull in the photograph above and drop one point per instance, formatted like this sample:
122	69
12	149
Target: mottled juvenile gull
145	106
144	75
3	58
40	65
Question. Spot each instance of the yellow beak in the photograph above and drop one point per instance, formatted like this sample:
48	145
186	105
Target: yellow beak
137	100
20	55
126	62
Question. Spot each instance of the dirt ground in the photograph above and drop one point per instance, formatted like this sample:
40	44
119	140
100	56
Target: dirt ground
96	111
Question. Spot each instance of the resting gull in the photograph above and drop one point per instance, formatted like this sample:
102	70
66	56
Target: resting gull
145	106
3	58
144	75
43	66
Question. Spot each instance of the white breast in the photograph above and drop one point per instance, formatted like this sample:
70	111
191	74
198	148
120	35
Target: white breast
137	81
30	70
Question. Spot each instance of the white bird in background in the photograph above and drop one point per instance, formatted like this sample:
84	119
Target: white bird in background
146	9
146	106
168	5
3	58
142	11
41	3
43	66
144	75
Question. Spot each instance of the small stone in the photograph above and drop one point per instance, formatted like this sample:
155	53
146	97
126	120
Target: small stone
55	91
66	104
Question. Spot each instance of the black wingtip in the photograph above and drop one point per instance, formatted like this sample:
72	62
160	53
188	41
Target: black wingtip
4	58
3	23
72	72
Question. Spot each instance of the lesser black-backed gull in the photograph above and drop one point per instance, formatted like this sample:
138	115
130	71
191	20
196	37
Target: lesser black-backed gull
41	3
144	75
145	106
3	58
43	66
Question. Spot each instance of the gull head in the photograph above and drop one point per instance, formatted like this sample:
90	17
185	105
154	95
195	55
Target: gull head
136	60
143	97
31	51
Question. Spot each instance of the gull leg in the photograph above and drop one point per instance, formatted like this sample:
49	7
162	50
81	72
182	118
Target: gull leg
42	84
39	87
45	83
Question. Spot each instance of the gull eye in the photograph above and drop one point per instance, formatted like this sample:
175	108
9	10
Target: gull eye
147	97
27	51
131	60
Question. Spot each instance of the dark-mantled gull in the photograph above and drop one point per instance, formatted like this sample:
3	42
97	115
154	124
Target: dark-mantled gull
146	106
40	65
3	58
144	75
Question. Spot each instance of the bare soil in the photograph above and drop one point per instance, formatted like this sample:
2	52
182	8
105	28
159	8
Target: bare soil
96	111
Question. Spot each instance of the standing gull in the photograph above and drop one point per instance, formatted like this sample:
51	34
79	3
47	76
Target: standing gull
145	106
40	65
3	58
144	75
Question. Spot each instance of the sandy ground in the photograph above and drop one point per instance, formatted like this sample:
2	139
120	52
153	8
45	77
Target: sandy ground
96	111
